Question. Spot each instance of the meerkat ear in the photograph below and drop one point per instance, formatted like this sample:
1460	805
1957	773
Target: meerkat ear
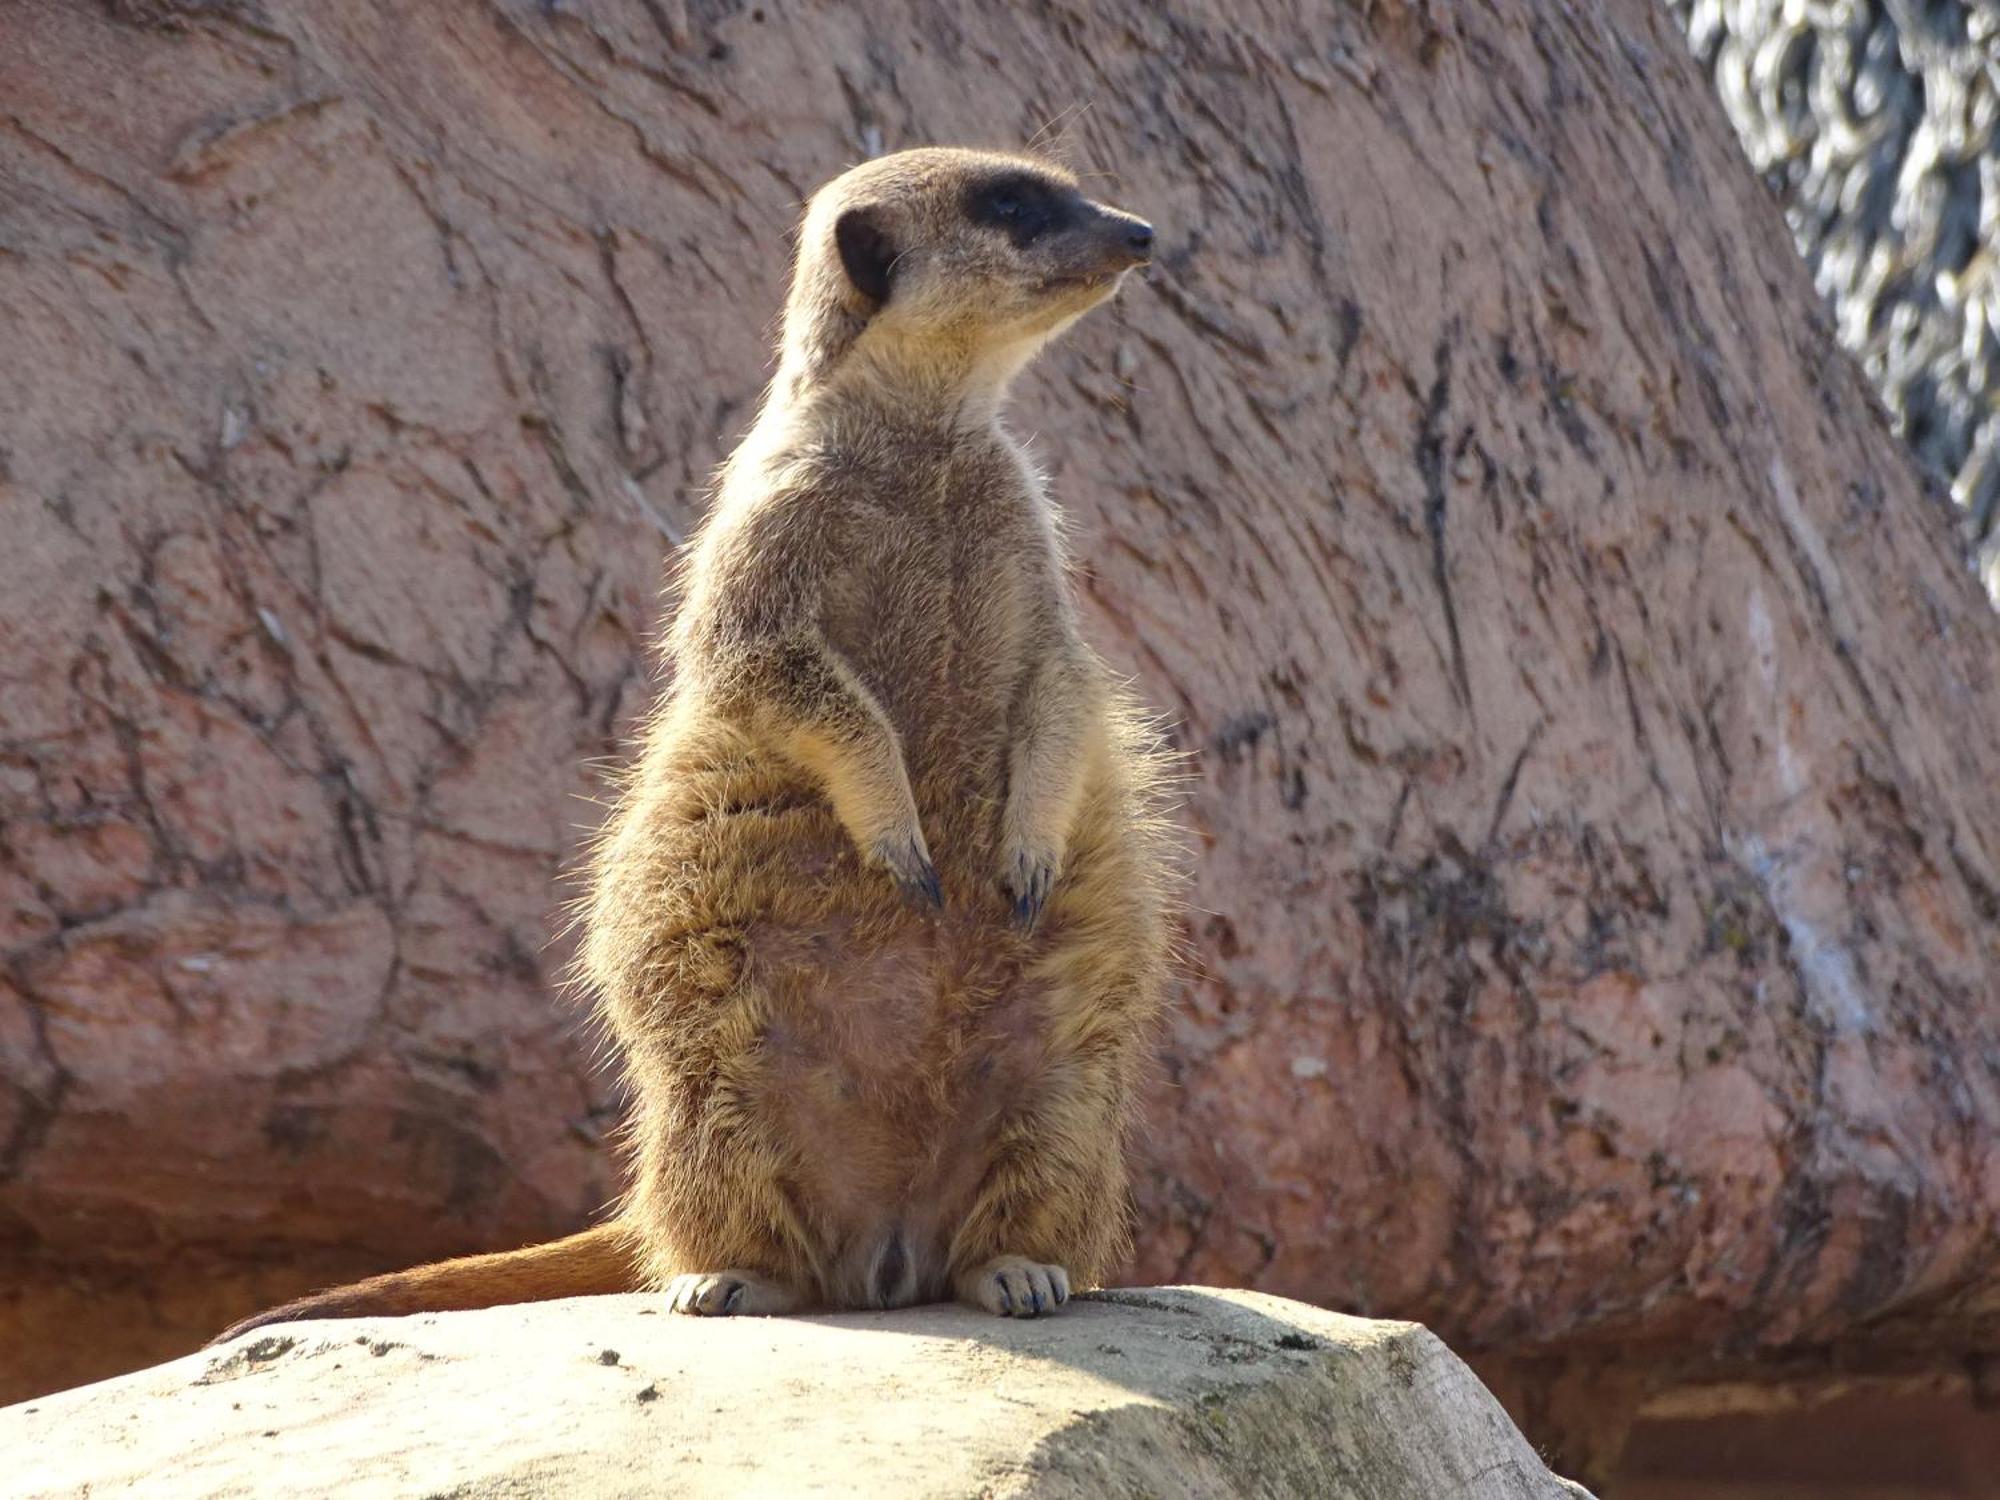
866	252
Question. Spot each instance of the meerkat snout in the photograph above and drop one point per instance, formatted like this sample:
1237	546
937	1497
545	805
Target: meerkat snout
1122	241
1054	230
1139	241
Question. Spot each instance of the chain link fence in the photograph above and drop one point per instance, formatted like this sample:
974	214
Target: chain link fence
1875	122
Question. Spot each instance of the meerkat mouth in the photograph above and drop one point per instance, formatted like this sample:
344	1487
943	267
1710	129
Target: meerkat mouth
1083	280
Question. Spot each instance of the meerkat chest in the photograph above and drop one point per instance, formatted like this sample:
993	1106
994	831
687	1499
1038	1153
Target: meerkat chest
938	600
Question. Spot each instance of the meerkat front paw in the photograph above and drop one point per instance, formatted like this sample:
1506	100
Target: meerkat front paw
1026	876
909	865
1011	1286
723	1294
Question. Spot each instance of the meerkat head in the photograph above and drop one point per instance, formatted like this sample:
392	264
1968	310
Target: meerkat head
949	269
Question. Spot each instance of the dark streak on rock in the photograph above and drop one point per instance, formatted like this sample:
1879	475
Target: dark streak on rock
1430	462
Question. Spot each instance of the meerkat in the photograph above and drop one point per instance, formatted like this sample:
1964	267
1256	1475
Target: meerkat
880	927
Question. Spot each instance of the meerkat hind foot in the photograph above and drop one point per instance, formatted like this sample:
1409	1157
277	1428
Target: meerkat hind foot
723	1294
1010	1286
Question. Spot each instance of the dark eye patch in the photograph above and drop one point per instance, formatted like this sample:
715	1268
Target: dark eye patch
1021	206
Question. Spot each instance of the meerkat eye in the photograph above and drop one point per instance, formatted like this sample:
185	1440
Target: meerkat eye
1020	207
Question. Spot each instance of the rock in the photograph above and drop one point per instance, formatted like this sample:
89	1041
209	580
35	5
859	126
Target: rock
1164	1392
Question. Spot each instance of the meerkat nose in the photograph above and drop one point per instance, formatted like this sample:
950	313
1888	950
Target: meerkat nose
1122	240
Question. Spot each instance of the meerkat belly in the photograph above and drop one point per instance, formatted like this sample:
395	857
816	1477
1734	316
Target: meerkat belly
891	1063
877	1053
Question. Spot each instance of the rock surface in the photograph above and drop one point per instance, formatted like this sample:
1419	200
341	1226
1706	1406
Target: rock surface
1596	736
1164	1392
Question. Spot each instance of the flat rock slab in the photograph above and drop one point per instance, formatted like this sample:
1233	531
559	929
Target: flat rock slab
1163	1392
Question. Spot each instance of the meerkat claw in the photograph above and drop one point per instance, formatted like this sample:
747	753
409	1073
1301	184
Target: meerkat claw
924	890
727	1294
1011	1287
911	868
1027	886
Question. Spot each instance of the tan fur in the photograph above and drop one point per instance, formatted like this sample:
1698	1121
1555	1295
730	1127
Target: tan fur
596	1261
844	1095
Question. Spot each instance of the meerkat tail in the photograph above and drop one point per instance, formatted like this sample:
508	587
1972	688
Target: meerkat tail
592	1263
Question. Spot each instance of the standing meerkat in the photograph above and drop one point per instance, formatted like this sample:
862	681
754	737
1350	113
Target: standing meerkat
880	926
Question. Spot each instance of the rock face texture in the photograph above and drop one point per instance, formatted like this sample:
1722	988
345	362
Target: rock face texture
1170	1392
1594	735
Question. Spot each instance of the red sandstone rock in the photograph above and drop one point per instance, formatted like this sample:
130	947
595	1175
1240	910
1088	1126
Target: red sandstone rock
1596	737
